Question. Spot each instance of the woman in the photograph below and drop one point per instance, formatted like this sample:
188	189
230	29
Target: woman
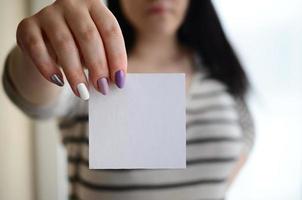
160	36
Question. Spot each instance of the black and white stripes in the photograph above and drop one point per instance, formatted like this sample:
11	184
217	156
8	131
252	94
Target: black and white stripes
219	130
215	140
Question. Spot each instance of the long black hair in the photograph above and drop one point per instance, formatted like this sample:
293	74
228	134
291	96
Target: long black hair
202	32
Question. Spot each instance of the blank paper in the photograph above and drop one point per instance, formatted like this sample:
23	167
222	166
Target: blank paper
142	125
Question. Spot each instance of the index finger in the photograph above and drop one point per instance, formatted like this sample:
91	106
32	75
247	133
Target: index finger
113	40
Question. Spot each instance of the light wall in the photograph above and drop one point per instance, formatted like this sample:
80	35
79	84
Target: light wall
16	166
267	36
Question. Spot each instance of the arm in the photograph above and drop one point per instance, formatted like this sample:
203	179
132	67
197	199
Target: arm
240	163
248	135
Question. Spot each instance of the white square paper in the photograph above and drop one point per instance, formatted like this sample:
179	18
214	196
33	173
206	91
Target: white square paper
142	125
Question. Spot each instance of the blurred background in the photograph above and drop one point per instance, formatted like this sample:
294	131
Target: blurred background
267	35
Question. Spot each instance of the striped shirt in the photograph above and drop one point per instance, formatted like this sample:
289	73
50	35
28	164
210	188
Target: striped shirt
219	131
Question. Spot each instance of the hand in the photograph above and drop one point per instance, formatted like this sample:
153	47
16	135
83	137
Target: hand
72	34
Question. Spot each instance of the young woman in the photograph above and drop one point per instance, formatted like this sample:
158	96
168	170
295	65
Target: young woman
162	36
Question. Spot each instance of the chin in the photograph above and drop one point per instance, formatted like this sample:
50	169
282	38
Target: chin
162	28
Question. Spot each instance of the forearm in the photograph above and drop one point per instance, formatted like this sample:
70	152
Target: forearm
240	163
28	82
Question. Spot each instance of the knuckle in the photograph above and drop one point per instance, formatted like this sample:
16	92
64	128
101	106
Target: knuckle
47	11
74	76
26	38
63	41
98	67
64	2
31	43
21	30
111	29
88	33
23	26
91	2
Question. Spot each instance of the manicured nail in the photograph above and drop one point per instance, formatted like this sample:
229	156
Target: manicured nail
120	78
83	91
103	85
57	79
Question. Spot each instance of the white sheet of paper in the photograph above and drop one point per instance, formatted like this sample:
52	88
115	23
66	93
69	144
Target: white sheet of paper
142	125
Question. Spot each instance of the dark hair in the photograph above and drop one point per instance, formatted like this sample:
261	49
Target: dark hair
202	32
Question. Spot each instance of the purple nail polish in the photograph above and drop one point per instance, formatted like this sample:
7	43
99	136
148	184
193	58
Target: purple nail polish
103	85
120	78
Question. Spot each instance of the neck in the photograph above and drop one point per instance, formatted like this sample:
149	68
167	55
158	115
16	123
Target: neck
159	48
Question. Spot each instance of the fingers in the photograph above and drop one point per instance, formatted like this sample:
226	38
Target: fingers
113	40
73	33
91	46
62	41
30	40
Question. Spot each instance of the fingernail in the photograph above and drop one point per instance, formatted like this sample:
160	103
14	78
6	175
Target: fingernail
57	79
120	78
83	91
103	85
